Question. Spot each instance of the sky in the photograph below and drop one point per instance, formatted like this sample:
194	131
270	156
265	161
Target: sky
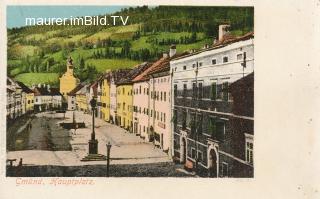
16	14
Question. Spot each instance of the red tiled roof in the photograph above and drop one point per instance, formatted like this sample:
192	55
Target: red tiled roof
76	89
227	39
164	64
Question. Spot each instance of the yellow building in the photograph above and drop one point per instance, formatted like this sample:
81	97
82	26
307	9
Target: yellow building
81	99
29	102
124	106
105	98
124	114
67	81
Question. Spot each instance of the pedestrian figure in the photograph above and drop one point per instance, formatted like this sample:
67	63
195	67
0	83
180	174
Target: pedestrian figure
20	163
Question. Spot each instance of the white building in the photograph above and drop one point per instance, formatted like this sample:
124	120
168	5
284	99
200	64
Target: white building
202	104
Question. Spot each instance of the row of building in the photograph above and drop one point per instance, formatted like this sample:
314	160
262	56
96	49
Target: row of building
197	106
23	100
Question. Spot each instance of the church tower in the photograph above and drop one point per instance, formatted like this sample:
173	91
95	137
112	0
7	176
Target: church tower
68	81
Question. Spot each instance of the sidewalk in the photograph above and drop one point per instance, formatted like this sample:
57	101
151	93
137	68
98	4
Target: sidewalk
126	148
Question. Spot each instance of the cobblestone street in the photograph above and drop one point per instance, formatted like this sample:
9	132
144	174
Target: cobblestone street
48	151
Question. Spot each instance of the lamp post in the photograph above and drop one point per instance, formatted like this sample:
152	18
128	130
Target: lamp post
108	157
93	143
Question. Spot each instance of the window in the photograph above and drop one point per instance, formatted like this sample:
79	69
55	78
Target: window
217	129
220	130
213	91
123	91
193	65
200	91
214	62
184	120
219	91
225	59
161	96
184	90
249	148
193	153
139	89
225	91
184	67
164	117
164	96
239	56
200	64
200	156
224	170
194	90
175	90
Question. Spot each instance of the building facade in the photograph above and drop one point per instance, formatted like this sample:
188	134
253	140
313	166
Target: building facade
160	85
28	98
104	85
68	81
202	104
14	107
81	99
125	97
72	98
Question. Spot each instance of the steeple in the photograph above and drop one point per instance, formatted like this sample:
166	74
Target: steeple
70	65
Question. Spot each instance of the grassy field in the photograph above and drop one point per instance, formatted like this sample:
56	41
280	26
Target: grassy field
114	33
103	64
21	51
36	78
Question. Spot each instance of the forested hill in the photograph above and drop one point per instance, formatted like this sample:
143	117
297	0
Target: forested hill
40	51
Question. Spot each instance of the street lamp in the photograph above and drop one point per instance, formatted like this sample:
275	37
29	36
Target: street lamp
108	157
93	143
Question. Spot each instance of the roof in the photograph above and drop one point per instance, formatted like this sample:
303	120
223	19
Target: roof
94	86
163	65
76	89
24	87
226	40
38	91
83	90
133	73
55	91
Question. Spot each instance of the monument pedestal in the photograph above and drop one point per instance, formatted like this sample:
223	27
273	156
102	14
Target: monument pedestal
93	152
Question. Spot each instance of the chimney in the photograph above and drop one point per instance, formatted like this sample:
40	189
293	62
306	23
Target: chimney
173	50
39	85
165	55
214	41
206	46
223	30
192	50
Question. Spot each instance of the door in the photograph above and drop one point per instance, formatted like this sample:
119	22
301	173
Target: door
213	162
183	157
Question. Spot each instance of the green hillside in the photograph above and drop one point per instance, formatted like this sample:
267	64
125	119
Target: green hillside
37	54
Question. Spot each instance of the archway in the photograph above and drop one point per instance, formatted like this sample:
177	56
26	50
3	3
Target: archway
213	159
183	150
213	163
